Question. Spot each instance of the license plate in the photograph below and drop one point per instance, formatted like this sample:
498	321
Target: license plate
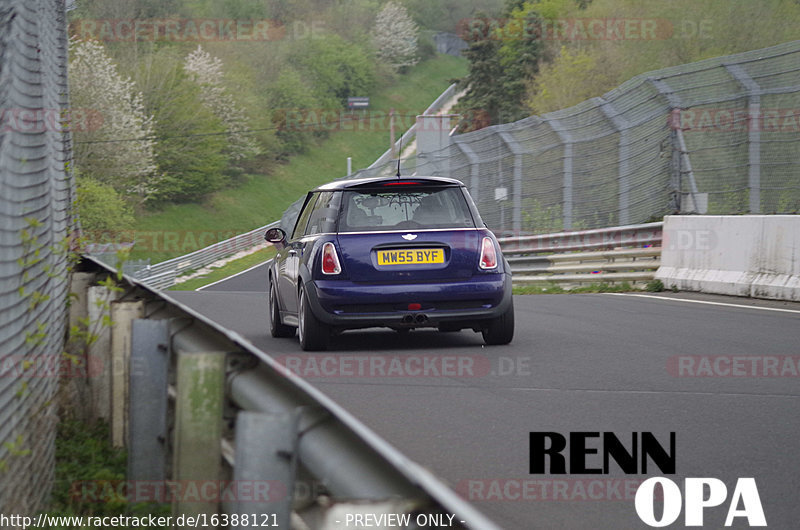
422	256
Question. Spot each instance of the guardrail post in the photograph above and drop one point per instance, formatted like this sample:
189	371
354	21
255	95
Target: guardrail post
147	432
99	361
122	315
198	426
347	467
266	460
79	287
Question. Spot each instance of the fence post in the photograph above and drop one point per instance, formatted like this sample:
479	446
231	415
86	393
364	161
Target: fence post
753	133
517	151
122	316
566	139
622	126
198	425
474	169
675	104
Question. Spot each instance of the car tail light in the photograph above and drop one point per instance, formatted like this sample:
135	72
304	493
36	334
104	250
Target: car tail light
330	260
488	254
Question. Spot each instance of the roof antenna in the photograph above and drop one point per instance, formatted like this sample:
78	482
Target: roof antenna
399	156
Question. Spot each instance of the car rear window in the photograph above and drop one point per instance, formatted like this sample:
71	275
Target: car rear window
407	209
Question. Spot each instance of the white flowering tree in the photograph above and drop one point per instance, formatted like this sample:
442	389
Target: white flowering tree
206	71
395	37
113	135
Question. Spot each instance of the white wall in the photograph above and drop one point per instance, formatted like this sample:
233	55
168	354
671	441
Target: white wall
749	255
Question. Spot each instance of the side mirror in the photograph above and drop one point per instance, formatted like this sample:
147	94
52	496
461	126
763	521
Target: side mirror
276	236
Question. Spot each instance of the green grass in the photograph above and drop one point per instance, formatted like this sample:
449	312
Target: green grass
229	269
263	198
554	288
89	472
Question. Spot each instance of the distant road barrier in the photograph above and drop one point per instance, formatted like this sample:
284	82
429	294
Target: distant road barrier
604	255
740	255
163	274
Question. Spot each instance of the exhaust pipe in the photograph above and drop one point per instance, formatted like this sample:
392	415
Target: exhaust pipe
420	319
408	319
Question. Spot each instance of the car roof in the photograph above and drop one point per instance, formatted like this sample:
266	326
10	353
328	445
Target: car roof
378	181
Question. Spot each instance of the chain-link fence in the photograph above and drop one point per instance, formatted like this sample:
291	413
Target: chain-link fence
720	136
34	224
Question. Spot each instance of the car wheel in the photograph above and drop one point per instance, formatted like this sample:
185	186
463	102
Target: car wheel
276	327
500	329
313	334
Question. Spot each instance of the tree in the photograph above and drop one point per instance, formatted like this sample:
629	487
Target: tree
118	148
502	57
395	37
519	57
335	68
289	97
206	71
100	207
191	149
481	103
566	81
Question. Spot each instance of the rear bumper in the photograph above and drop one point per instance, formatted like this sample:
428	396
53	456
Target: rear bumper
350	305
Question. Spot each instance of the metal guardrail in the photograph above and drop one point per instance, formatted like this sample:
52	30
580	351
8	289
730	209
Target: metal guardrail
162	275
199	406
606	255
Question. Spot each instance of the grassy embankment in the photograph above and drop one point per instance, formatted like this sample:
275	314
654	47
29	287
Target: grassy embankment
264	198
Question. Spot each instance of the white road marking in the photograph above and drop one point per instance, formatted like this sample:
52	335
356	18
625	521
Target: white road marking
707	302
234	275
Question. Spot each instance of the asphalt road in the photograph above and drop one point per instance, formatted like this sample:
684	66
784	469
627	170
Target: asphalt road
597	362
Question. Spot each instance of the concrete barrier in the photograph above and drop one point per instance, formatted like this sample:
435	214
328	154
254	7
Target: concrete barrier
749	255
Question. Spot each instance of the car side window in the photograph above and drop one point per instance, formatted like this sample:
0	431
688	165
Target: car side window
324	214
302	220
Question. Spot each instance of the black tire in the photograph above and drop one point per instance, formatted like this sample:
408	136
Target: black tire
276	327
501	329
314	335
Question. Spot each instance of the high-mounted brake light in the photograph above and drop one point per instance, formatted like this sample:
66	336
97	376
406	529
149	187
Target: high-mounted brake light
402	183
330	260
488	254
